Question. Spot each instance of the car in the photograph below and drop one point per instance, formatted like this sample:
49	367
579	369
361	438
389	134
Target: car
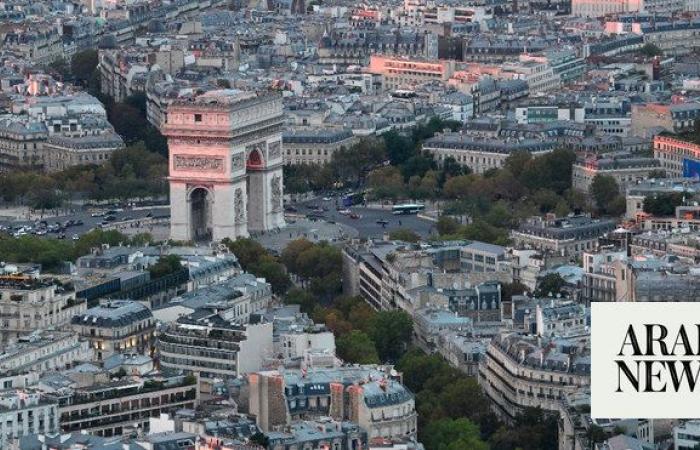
109	219
76	237
327	199
40	232
354	216
345	212
61	236
78	223
290	208
382	222
97	214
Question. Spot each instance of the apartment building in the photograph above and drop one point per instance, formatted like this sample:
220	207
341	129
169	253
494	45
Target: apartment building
315	145
461	276
404	73
481	154
686	436
626	170
675	155
567	236
598	283
366	395
24	412
116	326
674	118
28	304
108	409
596	8
520	371
211	347
43	351
429	324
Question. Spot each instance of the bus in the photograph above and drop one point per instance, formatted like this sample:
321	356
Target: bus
353	199
407	208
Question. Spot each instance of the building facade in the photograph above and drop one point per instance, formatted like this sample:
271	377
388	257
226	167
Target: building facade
673	154
315	145
27	305
116	326
225	165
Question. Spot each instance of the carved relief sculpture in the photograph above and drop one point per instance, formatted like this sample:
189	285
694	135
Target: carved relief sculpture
239	206
237	162
203	163
275	150
276	191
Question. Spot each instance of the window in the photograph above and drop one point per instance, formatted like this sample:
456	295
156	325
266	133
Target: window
197	117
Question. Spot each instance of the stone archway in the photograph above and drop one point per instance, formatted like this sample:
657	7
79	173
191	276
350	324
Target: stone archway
201	201
255	160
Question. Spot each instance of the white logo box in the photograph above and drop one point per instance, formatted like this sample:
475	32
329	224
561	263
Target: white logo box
648	387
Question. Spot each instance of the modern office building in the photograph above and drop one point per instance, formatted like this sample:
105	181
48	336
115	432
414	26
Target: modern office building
211	347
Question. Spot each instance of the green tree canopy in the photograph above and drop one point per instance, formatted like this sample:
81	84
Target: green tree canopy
663	205
550	284
391	331
83	64
605	190
453	434
166	265
358	348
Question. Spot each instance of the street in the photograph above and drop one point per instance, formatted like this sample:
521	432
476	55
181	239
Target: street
366	225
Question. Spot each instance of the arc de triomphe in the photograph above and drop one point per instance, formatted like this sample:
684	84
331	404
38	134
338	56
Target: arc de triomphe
225	164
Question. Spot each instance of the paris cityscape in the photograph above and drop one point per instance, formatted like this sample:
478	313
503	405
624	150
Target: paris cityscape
332	225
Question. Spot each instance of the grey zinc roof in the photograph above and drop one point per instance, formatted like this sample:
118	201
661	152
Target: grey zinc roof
115	313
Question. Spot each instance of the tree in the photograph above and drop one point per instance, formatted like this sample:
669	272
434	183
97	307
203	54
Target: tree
550	284
274	273
657	173
260	439
651	50
418	165
128	122
508	290
404	234
247	250
166	265
391	331
480	230
291	253
83	64
457	187
447	226
604	190
452	434
663	205
398	147
516	162
550	171
301	297
386	182
356	347
59	67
